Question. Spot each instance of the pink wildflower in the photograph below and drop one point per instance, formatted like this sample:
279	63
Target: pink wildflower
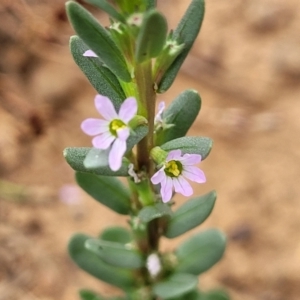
174	169
113	131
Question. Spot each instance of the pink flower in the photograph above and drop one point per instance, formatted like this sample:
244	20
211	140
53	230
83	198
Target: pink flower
174	169
90	53
158	118
113	131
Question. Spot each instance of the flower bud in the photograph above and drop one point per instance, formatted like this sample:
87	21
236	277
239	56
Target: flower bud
158	155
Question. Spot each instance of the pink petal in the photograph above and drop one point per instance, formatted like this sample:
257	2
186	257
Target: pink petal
174	154
105	107
190	159
185	188
94	126
123	133
194	174
103	141
116	154
166	189
128	109
161	108
177	186
90	53
158	176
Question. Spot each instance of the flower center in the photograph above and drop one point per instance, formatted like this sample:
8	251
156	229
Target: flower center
173	168
115	125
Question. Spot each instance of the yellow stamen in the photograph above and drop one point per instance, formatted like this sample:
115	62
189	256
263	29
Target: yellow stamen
116	125
173	168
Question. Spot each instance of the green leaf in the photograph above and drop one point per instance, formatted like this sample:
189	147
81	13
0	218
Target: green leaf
116	254
98	39
152	36
216	295
108	8
93	265
150	4
107	190
193	295
76	156
186	32
89	295
200	252
158	210
101	78
136	136
116	234
191	214
182	113
175	286
131	6
191	145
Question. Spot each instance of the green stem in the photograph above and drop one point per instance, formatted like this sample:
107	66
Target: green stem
147	97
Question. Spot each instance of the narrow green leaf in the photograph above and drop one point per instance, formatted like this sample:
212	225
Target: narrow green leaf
101	78
116	234
181	113
107	190
89	295
76	156
152	36
158	210
191	145
116	254
108	8
98	39
200	252
186	32
93	265
175	286
191	214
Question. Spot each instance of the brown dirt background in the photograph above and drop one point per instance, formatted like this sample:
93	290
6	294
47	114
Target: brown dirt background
246	66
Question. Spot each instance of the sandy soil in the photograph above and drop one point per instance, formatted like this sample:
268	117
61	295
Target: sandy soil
246	66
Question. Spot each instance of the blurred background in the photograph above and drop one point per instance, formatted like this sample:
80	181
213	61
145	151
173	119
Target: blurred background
246	66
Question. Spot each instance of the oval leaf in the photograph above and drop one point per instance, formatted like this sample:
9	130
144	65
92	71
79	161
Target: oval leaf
191	145
181	113
186	32
116	234
191	214
93	265
101	78
149	213
175	286
107	190
152	36
75	157
200	252
116	254
98	39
